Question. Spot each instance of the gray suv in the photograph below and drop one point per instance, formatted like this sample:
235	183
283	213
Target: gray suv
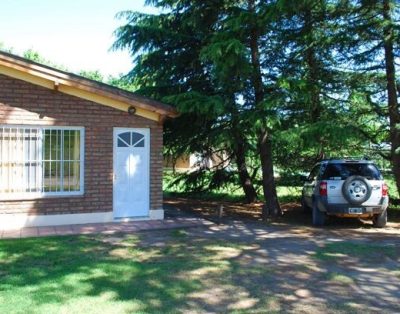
346	188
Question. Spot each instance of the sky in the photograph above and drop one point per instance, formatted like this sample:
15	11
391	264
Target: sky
76	34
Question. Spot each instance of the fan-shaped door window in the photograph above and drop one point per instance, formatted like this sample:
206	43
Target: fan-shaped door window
130	139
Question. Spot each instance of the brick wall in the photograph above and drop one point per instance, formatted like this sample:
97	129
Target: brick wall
28	104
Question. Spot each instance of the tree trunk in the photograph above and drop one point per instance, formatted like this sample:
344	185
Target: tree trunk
393	105
271	207
244	176
239	150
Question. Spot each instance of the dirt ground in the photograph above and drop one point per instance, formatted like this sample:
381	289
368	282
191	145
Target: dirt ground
346	267
293	214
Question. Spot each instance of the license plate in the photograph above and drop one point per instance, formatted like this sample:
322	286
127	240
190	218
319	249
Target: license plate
356	210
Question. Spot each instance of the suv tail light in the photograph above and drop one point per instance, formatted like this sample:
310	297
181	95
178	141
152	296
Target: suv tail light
323	189
385	189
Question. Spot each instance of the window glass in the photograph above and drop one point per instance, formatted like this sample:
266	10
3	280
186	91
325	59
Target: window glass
71	177
125	137
71	145
139	143
121	143
136	138
343	171
39	160
130	139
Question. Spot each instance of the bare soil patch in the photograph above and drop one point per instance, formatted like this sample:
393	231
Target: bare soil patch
293	214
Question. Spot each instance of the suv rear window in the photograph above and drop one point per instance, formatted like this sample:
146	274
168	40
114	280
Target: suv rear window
343	171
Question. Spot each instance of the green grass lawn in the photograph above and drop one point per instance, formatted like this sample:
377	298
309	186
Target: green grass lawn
179	271
367	251
80	274
104	274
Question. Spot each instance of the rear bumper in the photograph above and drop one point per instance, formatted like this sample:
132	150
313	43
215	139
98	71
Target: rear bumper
344	209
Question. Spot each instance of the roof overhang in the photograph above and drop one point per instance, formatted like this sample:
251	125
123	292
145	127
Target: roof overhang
67	83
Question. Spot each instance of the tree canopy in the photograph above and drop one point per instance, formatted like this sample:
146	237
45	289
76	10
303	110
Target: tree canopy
276	85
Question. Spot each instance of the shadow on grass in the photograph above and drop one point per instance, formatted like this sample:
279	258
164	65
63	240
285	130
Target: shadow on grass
56	270
169	272
206	196
103	274
366	252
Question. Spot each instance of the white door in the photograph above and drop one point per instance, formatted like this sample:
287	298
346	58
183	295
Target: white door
131	173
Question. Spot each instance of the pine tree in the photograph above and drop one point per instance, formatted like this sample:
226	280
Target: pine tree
170	66
373	46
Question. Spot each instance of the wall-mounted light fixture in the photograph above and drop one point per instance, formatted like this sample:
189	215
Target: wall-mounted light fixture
131	110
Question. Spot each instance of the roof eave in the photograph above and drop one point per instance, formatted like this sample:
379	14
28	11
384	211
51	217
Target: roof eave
71	84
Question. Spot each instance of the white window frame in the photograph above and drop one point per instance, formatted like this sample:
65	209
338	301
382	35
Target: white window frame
42	194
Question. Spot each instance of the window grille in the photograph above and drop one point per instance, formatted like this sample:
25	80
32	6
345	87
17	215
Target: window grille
37	161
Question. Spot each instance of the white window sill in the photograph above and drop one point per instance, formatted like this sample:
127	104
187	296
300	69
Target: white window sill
38	196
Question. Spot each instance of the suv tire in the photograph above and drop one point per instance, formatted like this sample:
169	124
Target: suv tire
356	190
318	217
380	220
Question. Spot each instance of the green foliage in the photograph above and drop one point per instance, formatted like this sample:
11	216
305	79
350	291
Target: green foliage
223	186
200	181
390	181
35	56
195	102
122	81
92	75
230	59
322	73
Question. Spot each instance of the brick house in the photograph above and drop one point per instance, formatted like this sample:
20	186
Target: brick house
73	150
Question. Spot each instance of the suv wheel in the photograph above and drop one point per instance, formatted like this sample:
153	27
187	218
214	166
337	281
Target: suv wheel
356	190
318	217
380	220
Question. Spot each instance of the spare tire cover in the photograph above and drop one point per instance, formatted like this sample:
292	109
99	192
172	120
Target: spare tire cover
356	190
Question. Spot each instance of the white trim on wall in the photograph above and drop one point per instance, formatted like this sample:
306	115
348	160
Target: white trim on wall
18	221
157	214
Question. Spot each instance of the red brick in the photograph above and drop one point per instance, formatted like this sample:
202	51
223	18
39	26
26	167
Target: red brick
22	103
